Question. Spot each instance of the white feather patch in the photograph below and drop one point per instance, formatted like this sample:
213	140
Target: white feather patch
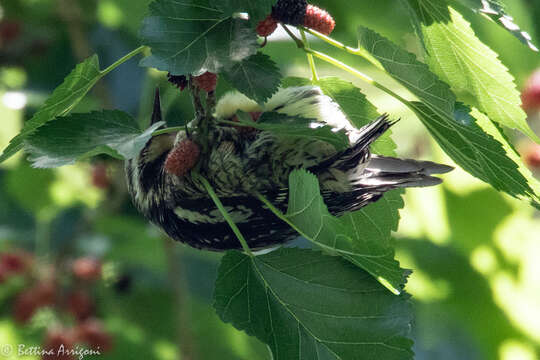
305	101
230	103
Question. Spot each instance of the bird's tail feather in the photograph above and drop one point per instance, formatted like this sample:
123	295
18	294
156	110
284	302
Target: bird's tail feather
358	153
382	171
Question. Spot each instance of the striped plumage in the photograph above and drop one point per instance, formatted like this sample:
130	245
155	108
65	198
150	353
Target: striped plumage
237	165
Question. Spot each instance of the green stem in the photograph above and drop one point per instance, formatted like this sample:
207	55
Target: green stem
293	226
340	65
122	60
280	215
311	61
224	212
358	74
333	42
346	67
168	130
298	42
236	123
358	52
354	51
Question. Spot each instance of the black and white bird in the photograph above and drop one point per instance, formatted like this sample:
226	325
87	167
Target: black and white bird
238	166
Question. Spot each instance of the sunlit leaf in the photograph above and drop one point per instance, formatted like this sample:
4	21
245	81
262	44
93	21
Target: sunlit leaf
451	124
306	305
476	145
471	68
63	99
411	73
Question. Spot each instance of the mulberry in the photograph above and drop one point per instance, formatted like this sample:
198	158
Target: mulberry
267	26
290	12
206	81
319	20
182	158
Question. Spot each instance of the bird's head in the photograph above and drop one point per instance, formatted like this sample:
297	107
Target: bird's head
144	173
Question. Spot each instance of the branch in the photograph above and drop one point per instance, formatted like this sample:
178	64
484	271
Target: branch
224	212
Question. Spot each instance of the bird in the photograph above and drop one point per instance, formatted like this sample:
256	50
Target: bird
240	163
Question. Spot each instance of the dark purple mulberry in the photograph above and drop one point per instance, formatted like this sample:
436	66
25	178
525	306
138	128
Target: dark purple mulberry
290	12
180	81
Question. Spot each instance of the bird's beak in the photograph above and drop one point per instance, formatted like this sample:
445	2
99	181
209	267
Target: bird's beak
156	112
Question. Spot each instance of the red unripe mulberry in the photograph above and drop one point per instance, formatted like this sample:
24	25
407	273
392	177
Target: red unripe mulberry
9	31
92	333
59	345
532	157
206	81
15	262
28	301
182	158
24	306
266	27
530	96
80	305
100	178
87	268
319	20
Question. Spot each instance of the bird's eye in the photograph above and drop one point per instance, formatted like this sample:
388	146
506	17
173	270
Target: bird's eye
157	146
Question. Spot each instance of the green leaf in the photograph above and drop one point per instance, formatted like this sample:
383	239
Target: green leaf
368	248
533	184
476	145
450	123
411	73
63	99
257	9
350	99
377	220
460	59
494	10
296	126
306	306
257	77
67	139
192	36
358	109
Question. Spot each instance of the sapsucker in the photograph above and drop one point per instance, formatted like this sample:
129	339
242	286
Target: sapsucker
237	166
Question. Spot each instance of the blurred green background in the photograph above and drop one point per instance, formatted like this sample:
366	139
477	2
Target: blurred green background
474	251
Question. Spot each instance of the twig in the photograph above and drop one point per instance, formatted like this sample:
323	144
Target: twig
224	212
200	113
210	103
311	61
345	67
